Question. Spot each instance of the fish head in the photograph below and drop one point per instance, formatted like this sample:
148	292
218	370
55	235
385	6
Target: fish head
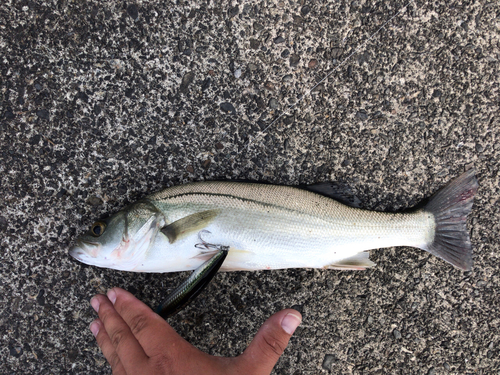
122	240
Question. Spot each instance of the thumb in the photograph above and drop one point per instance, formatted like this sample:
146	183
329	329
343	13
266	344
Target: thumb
269	342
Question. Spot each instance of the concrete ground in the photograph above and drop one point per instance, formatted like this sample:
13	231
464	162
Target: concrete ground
102	103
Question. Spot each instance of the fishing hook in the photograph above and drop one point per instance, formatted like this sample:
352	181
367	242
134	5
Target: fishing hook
208	246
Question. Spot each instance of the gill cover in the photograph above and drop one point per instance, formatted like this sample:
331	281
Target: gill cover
142	223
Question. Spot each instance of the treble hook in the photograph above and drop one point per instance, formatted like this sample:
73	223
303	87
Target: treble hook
204	245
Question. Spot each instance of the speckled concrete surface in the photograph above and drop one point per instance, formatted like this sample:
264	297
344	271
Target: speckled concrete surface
102	103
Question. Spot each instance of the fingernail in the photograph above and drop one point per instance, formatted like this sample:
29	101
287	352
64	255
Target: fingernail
94	327
290	323
95	304
112	296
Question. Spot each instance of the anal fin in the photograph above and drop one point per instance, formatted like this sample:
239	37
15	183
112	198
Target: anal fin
360	261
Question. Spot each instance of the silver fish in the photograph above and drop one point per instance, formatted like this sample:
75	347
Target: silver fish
271	227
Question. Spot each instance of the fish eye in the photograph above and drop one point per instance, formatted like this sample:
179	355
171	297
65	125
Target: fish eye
98	228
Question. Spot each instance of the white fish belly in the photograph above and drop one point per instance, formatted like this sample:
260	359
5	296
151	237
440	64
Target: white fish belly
273	227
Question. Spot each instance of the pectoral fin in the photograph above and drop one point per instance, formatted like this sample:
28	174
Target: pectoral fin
189	224
360	261
192	286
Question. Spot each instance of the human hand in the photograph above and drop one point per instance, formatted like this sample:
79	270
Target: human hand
137	341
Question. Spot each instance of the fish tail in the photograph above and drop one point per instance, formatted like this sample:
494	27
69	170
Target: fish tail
450	207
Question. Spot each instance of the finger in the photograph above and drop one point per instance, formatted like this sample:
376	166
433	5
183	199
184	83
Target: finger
153	332
127	347
270	342
107	347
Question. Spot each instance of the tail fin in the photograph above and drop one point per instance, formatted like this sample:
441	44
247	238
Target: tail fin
450	207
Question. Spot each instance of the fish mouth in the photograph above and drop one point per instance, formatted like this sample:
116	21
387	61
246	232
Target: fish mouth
82	250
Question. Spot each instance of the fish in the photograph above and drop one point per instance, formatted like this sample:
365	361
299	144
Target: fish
267	227
231	226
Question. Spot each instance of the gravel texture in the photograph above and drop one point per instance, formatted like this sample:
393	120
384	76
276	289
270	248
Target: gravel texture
102	103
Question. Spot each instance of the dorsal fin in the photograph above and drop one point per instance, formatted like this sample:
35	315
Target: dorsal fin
337	191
